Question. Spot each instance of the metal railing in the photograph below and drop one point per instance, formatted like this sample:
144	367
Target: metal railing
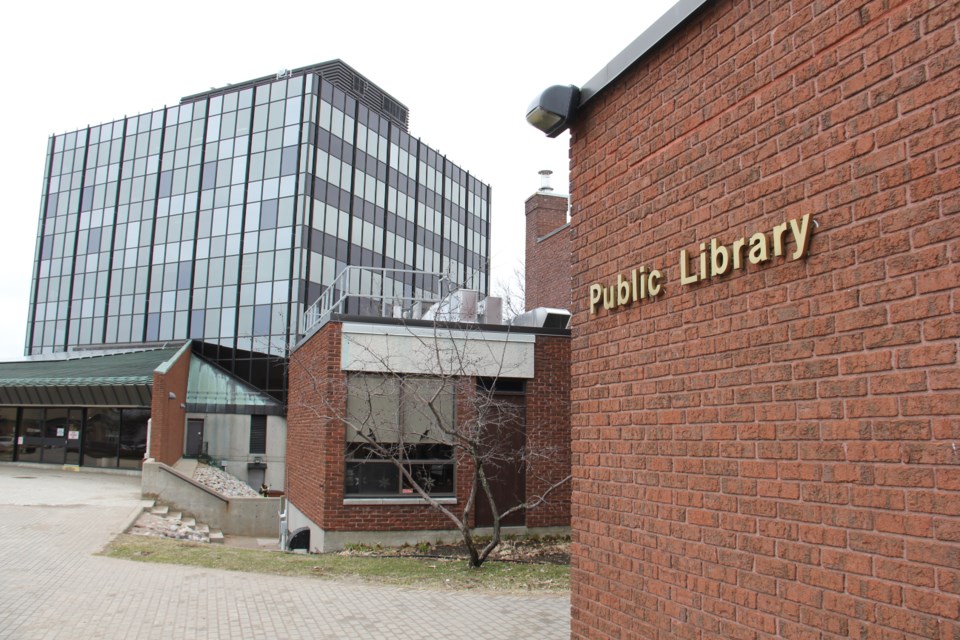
387	293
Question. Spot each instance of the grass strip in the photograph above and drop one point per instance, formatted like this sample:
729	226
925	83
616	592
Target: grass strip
430	573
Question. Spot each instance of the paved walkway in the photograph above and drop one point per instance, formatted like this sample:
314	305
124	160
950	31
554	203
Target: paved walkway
51	586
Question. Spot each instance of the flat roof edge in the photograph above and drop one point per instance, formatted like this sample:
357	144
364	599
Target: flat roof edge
310	68
666	24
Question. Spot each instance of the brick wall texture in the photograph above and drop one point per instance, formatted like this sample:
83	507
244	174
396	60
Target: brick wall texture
547	255
774	452
168	420
315	441
548	431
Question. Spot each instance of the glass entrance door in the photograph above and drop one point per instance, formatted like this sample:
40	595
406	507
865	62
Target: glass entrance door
30	440
55	436
74	431
50	435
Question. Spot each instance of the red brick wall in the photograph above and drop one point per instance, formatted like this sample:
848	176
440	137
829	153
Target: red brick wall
315	444
548	432
773	453
167	418
547	261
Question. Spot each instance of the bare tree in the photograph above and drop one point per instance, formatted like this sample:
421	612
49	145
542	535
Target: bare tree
437	435
512	291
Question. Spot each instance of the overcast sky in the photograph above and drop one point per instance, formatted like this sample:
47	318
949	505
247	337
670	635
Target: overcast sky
466	73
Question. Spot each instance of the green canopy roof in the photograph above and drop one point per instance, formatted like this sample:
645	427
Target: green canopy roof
111	379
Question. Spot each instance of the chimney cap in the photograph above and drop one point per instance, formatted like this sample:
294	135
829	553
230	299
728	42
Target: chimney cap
545	179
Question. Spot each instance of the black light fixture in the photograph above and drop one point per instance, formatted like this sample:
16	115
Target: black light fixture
553	109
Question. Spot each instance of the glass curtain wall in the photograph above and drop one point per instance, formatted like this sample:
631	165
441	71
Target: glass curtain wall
222	218
381	198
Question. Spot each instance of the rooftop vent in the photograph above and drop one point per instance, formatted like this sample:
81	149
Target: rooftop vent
545	180
543	318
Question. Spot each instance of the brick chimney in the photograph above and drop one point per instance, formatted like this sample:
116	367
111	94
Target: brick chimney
547	281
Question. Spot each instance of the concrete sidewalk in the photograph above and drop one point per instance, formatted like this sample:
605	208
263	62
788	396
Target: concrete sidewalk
51	521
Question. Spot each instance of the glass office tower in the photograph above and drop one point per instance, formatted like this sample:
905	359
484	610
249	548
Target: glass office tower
220	219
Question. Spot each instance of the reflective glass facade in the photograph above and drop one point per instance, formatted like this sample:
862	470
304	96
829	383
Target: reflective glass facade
222	218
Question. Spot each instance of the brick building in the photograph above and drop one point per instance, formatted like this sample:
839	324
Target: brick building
378	375
766	258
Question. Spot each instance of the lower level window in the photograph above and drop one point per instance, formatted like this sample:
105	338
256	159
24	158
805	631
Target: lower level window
399	420
369	474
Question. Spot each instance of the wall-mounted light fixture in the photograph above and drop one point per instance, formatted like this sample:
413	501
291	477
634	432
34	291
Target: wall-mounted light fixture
171	395
553	109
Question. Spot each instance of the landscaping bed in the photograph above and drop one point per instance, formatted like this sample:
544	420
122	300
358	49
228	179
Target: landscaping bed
531	550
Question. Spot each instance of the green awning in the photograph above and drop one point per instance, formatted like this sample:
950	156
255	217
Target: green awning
74	380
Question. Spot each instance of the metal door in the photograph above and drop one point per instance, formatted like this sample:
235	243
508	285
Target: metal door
194	438
506	471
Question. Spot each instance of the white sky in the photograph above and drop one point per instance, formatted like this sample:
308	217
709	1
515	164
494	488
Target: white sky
467	74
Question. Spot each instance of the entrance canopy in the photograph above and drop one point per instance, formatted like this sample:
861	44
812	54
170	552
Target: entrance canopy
110	380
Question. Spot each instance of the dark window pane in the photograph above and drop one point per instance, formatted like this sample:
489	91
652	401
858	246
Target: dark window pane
288	162
30	449
166	182
261	320
101	438
183	275
372	478
209	175
8	428
268	214
133	438
435	479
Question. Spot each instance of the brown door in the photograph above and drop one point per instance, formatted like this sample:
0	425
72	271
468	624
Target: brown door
506	424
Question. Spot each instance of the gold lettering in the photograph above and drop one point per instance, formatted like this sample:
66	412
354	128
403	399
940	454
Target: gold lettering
703	261
596	293
685	279
778	231
719	259
610	297
653	283
758	248
633	282
738	245
801	235
623	290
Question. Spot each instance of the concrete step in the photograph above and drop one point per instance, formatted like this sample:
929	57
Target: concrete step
186	524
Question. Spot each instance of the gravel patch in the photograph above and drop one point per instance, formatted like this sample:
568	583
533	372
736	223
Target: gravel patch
223	483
